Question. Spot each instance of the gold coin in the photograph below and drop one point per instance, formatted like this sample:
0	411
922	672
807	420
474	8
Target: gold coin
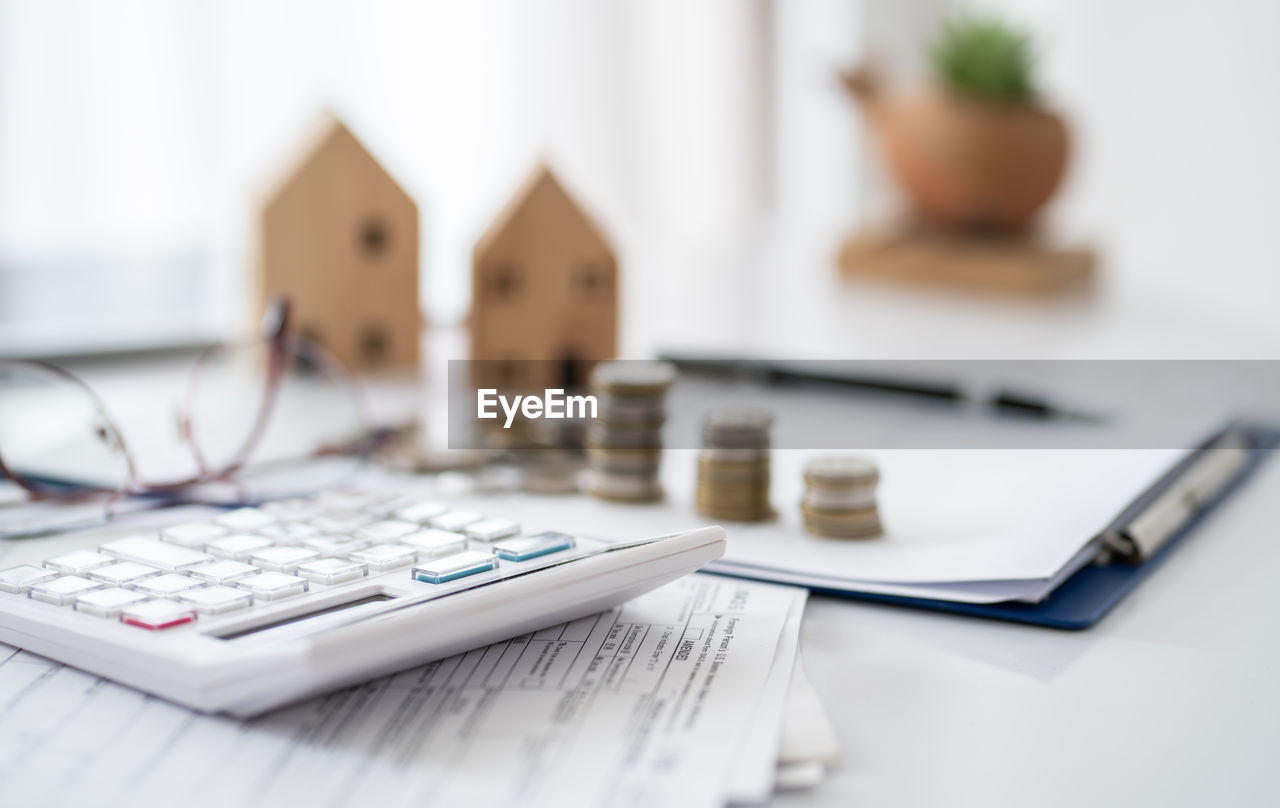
848	513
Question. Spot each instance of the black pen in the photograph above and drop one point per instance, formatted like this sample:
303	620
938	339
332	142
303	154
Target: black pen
779	374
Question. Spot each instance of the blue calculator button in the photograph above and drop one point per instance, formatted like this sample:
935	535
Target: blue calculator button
450	568
527	547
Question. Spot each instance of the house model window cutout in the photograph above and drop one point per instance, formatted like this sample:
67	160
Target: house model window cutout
339	237
544	286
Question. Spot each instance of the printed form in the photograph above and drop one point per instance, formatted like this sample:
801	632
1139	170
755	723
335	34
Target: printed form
652	703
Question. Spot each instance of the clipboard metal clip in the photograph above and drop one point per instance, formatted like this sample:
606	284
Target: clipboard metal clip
1171	503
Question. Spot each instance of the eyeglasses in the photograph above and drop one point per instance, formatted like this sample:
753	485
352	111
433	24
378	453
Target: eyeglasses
269	417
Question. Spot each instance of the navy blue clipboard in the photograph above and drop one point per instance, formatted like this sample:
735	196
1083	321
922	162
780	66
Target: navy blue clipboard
1083	599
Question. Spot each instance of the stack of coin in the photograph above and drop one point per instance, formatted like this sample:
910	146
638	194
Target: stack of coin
551	471
567	434
733	466
840	497
624	442
555	461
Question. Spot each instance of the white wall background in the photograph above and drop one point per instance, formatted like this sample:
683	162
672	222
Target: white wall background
135	134
137	131
1177	112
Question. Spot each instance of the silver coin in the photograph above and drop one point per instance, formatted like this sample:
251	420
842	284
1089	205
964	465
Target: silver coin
840	499
627	402
752	421
841	470
625	486
626	466
736	429
538	480
637	376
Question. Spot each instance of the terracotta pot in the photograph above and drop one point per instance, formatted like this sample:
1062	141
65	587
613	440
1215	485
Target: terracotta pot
966	162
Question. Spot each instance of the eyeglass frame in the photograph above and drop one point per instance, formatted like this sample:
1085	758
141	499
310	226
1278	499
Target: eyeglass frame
276	331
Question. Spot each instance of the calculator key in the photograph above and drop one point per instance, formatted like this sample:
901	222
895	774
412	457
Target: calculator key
107	602
237	546
342	521
330	545
453	567
167	585
293	510
282	559
123	573
491	529
79	562
381	496
389	505
17	580
154	553
245	519
192	534
273	585
455	520
225	571
421	512
435	543
63	591
216	599
157	614
331	571
523	548
345	499
386	531
288	532
383	557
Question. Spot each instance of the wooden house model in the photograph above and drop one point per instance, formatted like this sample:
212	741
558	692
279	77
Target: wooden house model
544	287
339	237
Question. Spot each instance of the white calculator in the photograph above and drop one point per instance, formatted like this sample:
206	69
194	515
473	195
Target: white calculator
260	607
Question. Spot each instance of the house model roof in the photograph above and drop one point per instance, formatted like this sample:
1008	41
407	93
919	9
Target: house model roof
325	134
338	236
542	185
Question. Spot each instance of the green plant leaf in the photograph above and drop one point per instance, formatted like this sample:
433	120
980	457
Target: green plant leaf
985	58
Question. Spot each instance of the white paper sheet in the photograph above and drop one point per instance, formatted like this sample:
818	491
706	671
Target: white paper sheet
645	705
755	766
972	525
960	515
808	736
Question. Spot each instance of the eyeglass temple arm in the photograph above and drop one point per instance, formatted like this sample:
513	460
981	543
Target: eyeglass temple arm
275	327
16	479
277	319
39	491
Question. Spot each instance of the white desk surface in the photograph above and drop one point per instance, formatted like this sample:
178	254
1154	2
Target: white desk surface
1173	699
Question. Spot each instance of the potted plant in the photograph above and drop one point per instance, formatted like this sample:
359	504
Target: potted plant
974	150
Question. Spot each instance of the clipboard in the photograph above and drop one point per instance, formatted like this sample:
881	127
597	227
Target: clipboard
1135	544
